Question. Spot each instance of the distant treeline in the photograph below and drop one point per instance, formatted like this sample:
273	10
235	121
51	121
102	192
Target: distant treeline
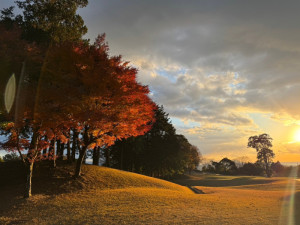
229	167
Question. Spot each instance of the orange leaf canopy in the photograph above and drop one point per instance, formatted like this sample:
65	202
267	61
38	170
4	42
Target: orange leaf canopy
81	85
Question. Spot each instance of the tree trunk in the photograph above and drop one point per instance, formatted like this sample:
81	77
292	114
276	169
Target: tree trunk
96	155
29	168
74	144
80	161
84	159
18	148
82	152
268	171
31	157
45	152
107	157
122	158
58	149
54	152
62	149
69	151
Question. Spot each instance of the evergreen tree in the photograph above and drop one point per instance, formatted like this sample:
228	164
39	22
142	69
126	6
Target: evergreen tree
160	152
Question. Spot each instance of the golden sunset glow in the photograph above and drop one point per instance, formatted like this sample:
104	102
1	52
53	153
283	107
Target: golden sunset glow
149	112
297	136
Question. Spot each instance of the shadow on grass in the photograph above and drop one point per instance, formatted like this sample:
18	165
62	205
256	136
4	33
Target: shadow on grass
219	181
45	181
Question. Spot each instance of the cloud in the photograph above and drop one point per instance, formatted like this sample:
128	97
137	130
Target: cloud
210	62
212	38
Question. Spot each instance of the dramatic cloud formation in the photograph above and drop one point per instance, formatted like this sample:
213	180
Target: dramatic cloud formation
224	70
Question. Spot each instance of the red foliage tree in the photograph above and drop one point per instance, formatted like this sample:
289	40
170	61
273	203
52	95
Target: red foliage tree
113	104
80	87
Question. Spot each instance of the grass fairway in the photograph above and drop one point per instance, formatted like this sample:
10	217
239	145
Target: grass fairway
108	196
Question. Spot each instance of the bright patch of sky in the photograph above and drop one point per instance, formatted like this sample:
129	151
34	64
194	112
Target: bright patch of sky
184	124
171	75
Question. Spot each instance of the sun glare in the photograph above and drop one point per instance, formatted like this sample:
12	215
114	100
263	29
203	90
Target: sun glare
297	136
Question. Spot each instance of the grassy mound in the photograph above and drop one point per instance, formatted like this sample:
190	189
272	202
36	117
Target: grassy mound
107	178
58	198
109	196
60	180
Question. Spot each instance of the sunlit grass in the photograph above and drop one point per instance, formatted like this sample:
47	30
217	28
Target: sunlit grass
110	196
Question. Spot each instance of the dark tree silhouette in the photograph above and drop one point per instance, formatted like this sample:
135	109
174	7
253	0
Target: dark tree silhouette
224	166
262	143
159	153
251	169
194	158
228	166
278	168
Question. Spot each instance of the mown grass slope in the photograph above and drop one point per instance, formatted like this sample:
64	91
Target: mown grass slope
108	196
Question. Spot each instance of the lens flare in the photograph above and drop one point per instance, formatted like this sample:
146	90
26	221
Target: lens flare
10	92
288	207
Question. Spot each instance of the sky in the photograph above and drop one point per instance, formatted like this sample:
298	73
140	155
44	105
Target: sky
223	70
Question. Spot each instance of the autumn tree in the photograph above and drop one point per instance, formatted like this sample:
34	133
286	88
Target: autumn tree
113	104
11	62
101	99
262	143
33	122
39	118
67	87
23	128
